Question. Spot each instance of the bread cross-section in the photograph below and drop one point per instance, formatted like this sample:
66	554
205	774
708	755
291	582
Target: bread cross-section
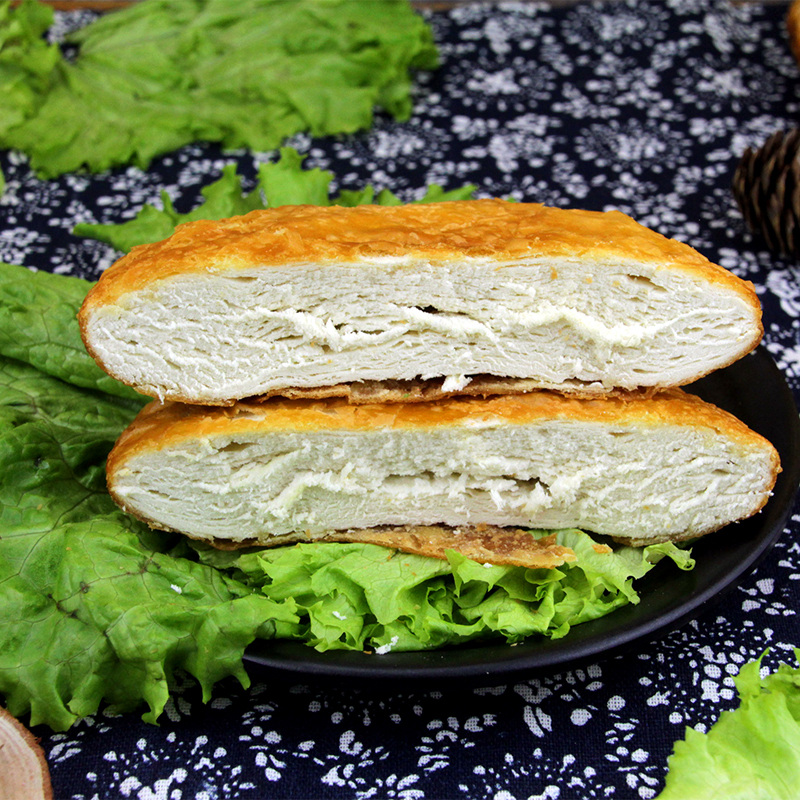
641	470
308	299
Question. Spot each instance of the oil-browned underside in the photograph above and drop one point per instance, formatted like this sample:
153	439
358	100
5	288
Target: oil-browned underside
486	544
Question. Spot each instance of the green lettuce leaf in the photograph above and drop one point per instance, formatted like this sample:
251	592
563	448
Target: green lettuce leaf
283	182
162	73
94	610
357	596
38	326
750	753
221	199
28	65
100	610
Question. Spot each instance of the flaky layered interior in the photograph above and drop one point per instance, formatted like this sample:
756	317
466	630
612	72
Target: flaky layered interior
566	323
643	480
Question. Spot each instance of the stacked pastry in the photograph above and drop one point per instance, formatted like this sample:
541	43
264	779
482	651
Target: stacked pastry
428	377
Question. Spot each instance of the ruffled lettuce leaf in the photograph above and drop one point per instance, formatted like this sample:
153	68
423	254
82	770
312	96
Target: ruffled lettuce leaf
159	74
283	182
28	64
750	753
38	326
94	607
356	596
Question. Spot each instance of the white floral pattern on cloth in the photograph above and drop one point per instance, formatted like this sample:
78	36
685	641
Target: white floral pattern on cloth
641	106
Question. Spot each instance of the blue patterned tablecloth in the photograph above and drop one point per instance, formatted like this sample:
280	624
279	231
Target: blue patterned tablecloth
641	106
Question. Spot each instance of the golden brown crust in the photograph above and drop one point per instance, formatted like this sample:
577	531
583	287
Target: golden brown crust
165	424
433	232
486	544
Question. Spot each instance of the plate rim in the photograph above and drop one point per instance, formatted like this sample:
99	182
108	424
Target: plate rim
297	659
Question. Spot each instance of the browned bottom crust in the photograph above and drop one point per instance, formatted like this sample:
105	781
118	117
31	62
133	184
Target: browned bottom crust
632	541
486	544
424	391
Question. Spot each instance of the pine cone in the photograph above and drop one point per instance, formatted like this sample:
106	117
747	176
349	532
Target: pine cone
766	186
793	28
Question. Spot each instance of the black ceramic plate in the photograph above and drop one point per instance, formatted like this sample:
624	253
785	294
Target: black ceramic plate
755	391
